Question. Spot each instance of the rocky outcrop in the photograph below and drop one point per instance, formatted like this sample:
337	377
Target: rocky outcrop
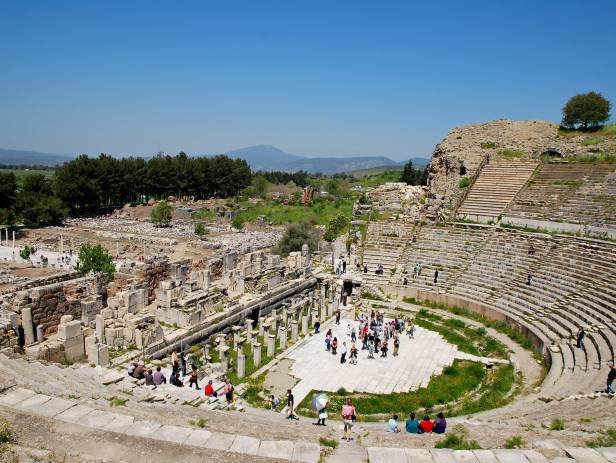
465	149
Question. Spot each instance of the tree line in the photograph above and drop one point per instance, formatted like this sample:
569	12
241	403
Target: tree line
88	184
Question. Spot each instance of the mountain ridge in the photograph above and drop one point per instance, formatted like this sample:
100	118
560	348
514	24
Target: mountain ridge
259	157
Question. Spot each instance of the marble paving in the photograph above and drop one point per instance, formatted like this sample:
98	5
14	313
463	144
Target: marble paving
419	359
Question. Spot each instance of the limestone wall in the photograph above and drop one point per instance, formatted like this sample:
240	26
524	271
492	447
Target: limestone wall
50	302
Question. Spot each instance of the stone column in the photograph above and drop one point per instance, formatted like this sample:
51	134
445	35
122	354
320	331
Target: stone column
254	334
266	329
256	354
241	364
261	321
323	313
13	238
271	345
248	322
283	337
39	333
236	333
305	325
239	344
100	329
26	322
294	331
323	305
224	359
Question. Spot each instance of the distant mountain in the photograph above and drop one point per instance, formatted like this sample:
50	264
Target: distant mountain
19	157
259	157
266	157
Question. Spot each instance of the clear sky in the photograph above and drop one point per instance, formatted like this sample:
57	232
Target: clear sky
314	77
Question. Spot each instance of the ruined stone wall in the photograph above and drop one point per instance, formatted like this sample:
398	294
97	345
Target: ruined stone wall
50	302
153	272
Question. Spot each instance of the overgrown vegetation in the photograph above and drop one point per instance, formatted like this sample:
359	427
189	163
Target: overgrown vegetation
458	379
457	439
606	438
488	145
199	422
515	442
510	153
464	182
161	214
294	237
557	424
331	443
95	258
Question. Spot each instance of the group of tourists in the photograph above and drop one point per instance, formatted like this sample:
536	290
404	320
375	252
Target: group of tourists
178	376
375	334
415	426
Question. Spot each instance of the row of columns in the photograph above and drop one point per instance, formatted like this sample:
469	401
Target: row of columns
7	237
270	329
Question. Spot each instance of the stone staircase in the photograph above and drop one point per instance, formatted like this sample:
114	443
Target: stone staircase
497	185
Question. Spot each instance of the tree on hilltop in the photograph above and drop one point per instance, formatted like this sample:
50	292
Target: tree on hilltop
586	110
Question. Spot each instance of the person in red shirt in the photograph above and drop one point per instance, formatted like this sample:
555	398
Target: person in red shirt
209	390
426	425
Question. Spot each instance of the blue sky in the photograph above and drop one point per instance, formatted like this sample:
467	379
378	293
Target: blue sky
316	78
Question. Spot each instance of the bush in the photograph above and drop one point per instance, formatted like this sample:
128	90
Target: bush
515	442
7	434
95	258
332	443
295	236
335	227
237	222
457	440
464	182
26	252
488	145
605	439
557	425
200	230
161	214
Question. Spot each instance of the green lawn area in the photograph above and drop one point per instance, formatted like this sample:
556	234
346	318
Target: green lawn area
375	180
320	212
606	131
458	380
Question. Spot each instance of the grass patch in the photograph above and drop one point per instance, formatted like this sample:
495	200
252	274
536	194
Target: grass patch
499	326
204	214
591	141
198	423
319	212
557	425
116	402
571	183
511	154
331	443
605	131
515	442
605	439
464	182
7	433
372	297
488	145
460	378
457	439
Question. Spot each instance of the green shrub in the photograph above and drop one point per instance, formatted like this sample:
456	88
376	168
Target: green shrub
331	443
557	425
488	145
199	423
200	230
515	442
605	439
7	434
464	182
457	440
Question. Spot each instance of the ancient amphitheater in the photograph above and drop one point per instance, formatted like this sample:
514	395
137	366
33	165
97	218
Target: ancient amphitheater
515	241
